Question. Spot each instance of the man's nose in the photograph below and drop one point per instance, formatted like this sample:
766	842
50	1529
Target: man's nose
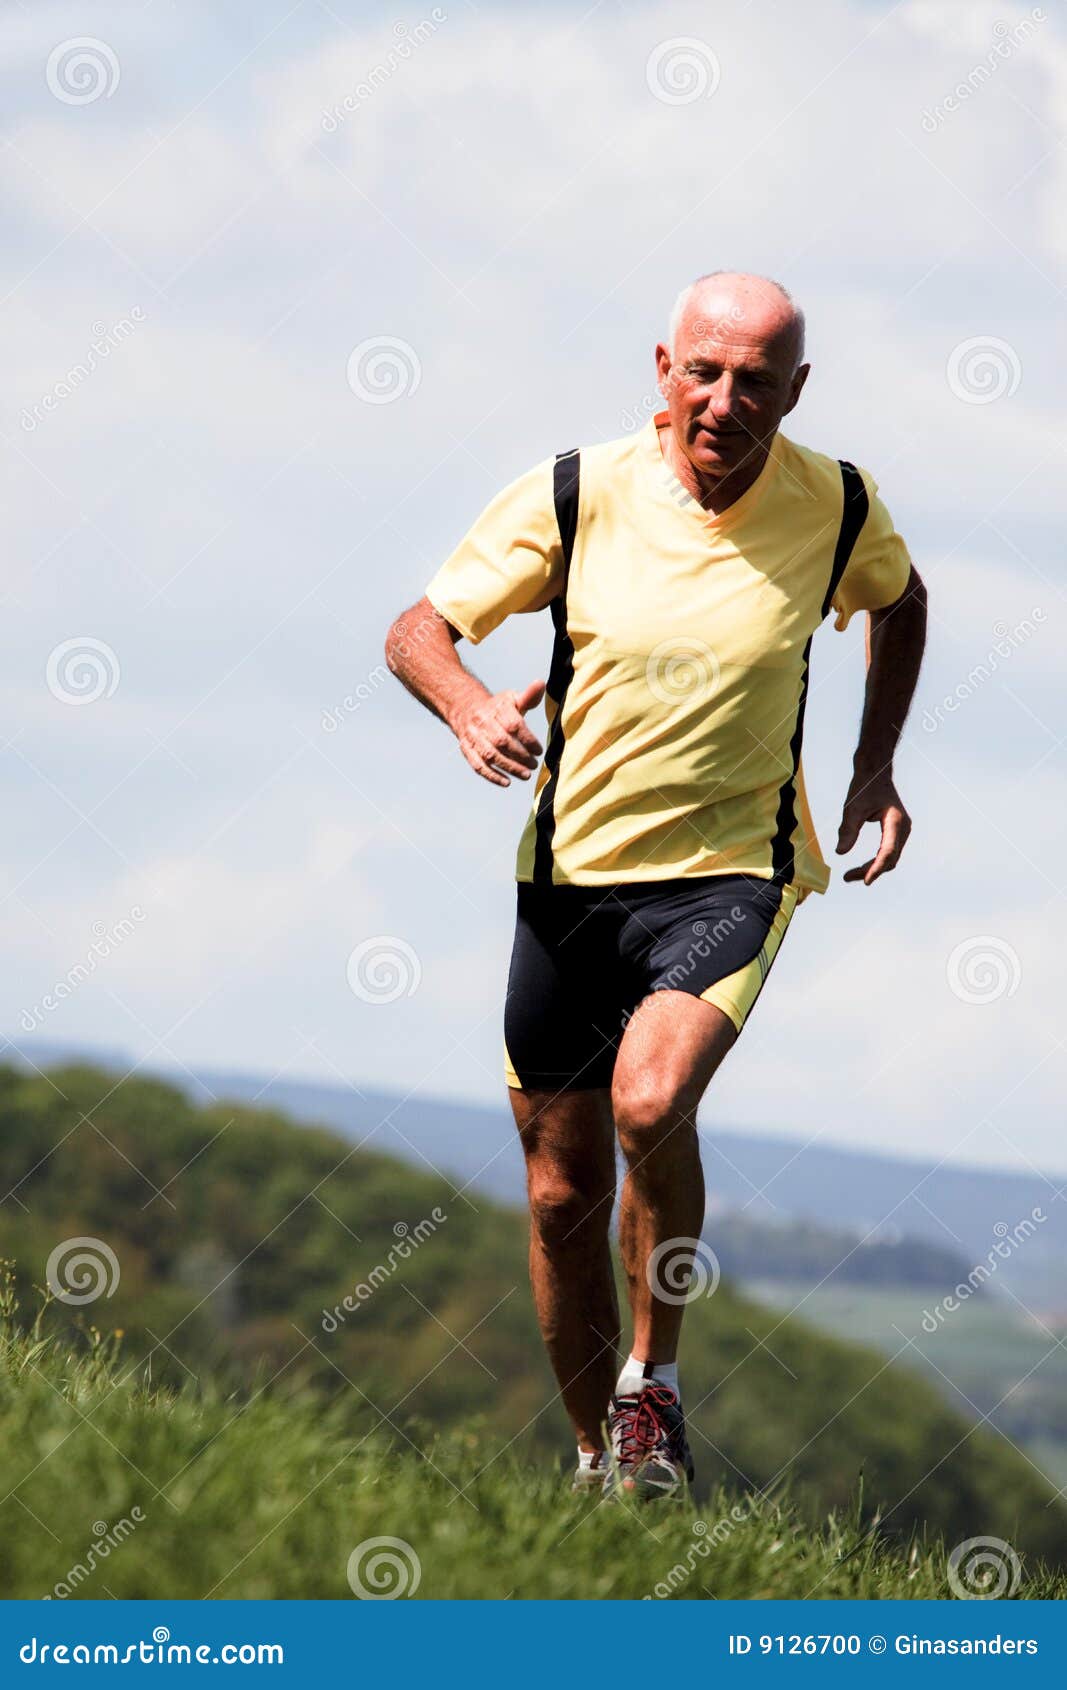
723	403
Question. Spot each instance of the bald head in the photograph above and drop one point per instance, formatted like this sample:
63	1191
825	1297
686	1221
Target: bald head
732	369
728	304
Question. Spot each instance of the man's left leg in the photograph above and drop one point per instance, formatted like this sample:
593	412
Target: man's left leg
671	1048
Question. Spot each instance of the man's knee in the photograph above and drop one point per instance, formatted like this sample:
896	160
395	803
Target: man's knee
565	1213
653	1117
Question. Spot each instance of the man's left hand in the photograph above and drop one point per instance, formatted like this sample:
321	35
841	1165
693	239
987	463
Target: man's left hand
874	798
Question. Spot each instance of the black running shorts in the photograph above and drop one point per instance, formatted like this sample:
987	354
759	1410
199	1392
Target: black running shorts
585	956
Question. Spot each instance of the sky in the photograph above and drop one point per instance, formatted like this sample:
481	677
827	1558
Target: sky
289	292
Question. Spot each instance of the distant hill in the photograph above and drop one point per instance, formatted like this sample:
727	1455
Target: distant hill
985	1353
800	1254
232	1242
962	1211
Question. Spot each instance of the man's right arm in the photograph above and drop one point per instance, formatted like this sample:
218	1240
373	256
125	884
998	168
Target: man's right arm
420	649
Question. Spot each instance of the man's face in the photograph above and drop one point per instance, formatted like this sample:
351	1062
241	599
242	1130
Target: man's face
732	379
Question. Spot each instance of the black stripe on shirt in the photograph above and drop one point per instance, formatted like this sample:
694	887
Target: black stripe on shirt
565	488
854	508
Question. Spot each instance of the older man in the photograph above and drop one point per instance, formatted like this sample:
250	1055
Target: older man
686	569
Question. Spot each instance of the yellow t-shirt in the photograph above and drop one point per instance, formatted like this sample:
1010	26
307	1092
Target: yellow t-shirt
678	730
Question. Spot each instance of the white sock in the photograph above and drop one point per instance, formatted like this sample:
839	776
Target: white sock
588	1459
636	1375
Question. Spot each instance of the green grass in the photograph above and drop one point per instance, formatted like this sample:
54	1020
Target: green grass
235	1229
193	1494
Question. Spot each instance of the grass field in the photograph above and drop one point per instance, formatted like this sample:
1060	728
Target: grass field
112	1490
246	1246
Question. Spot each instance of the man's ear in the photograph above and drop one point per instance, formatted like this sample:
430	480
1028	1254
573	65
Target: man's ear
663	367
800	376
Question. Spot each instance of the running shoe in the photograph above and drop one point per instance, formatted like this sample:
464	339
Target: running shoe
649	1449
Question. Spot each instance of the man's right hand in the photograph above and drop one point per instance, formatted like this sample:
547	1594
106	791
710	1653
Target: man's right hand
493	735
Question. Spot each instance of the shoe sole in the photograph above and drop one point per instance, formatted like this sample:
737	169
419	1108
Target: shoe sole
644	1487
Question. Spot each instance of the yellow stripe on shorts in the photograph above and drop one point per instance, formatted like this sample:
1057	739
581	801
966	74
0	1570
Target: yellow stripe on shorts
736	994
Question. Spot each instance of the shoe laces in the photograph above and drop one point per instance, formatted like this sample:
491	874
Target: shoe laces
638	1425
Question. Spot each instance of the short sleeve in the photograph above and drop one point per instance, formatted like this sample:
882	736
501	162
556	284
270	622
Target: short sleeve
879	567
511	561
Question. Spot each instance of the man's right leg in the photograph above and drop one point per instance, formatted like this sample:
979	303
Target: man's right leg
568	1139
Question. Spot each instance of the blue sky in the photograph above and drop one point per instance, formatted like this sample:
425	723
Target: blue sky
207	210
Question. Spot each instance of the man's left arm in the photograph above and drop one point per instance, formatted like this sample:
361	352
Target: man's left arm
896	636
